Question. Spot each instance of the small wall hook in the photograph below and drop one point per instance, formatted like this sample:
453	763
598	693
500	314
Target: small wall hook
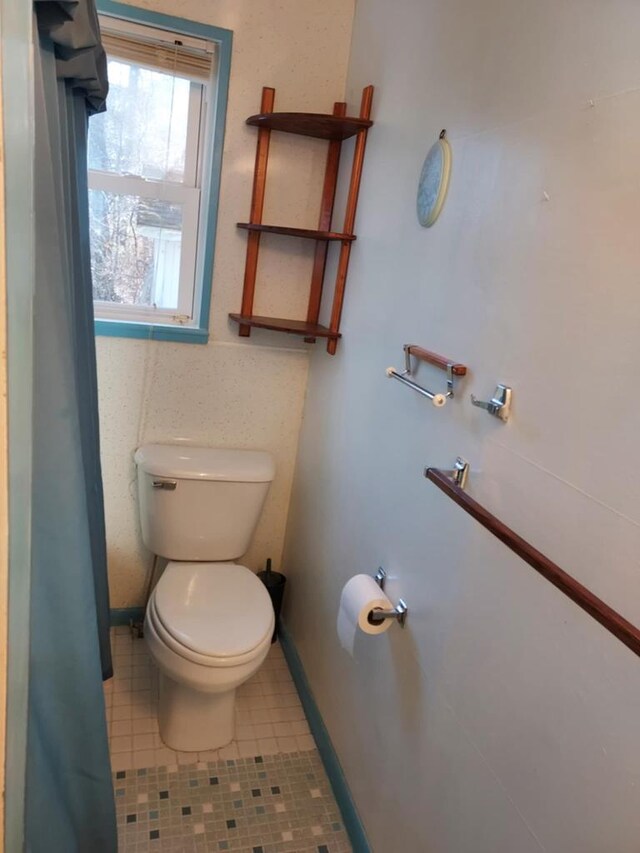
499	405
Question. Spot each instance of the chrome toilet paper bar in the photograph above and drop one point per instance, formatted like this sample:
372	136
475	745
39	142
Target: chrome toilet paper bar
378	615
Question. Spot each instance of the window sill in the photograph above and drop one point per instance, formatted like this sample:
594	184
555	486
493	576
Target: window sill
146	331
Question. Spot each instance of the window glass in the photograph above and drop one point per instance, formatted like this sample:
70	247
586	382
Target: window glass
135	249
144	131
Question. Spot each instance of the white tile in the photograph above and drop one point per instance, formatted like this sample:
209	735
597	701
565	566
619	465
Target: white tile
287	835
261	715
120	712
121	761
264	730
287	744
144	741
280	807
163	756
207	808
305	742
146	725
229	752
277	715
268	746
120	727
315	793
291	714
208	755
144	758
248	748
120	672
140	697
121	744
245	733
198	829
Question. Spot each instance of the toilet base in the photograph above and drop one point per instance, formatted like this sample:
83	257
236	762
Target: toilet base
193	721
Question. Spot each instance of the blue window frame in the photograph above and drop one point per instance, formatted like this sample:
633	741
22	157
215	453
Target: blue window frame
216	117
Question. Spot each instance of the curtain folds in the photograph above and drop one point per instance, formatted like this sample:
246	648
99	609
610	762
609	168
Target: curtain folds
69	795
73	30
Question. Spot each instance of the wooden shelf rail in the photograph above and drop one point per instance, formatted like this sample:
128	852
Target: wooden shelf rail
579	594
335	128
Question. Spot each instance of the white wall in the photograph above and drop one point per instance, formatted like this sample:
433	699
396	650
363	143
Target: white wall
503	719
232	393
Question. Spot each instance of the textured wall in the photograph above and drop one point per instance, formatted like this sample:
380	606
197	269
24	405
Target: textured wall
503	718
228	393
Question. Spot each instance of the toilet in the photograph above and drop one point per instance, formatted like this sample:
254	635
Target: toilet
209	620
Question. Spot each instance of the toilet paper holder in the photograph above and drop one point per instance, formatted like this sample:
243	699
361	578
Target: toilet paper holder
399	612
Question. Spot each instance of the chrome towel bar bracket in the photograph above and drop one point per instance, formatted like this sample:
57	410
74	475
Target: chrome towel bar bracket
459	474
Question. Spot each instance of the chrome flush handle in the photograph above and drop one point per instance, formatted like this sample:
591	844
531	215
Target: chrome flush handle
167	485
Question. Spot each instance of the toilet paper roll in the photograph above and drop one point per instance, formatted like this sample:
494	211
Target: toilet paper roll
360	595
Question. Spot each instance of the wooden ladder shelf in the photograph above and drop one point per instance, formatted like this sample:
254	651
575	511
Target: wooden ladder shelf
335	128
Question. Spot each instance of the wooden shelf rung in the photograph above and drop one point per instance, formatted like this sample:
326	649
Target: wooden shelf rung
280	324
305	233
318	125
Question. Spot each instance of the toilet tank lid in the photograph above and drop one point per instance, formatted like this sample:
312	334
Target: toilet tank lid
185	462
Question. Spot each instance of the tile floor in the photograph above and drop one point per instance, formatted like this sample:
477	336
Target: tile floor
269	716
266	792
266	804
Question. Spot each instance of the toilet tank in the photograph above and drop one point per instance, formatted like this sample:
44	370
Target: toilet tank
200	503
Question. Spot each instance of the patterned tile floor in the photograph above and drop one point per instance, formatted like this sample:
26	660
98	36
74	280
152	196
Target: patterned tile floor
267	804
264	793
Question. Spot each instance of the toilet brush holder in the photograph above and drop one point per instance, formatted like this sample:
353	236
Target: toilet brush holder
275	583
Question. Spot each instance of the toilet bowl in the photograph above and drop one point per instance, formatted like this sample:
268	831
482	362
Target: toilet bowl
208	627
209	621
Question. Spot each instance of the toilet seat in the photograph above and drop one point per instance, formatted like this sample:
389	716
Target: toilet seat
214	614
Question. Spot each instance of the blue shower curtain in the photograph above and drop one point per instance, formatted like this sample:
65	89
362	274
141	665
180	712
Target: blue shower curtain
69	795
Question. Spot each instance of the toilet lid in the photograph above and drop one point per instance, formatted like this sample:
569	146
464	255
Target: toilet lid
217	609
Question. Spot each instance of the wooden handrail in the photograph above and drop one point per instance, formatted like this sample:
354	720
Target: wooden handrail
438	360
584	598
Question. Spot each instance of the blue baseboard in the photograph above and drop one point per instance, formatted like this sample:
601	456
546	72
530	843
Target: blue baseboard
125	615
334	771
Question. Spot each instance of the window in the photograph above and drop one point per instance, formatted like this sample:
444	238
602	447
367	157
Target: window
154	164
